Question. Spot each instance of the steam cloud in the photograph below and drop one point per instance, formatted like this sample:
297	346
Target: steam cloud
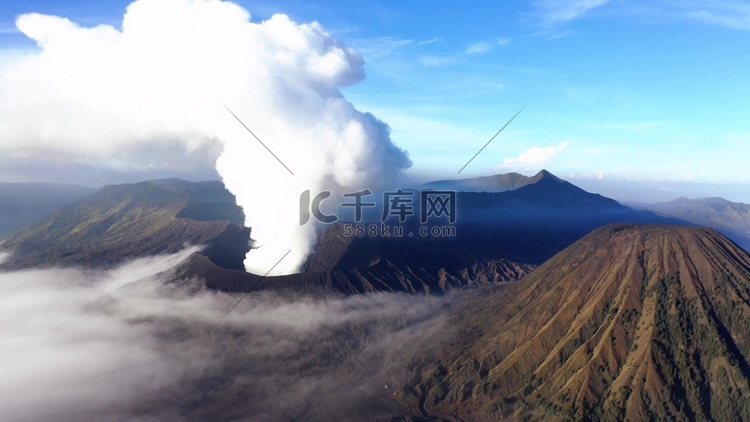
146	99
123	344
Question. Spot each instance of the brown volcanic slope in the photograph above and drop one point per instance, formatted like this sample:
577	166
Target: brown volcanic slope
632	322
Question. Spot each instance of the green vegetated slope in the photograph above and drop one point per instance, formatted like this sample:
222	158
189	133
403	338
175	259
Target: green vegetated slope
126	221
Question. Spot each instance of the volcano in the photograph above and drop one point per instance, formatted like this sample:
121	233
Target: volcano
632	322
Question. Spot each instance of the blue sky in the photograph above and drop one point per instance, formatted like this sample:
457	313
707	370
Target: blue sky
654	93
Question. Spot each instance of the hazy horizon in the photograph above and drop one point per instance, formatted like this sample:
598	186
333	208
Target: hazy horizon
624	191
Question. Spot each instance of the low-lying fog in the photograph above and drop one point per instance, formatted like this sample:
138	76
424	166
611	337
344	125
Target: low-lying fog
129	342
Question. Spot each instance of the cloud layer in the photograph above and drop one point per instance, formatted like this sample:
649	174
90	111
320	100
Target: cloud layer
535	157
83	345
556	12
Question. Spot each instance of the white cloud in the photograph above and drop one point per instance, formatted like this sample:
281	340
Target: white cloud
4	257
478	48
483	47
554	12
729	14
503	41
437	61
732	14
427	41
147	98
472	49
383	47
380	47
124	344
535	157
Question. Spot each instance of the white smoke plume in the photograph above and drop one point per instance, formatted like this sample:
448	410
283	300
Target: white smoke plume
148	98
125	344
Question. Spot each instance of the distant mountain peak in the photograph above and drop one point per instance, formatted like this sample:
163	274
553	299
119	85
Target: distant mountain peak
546	175
495	183
501	182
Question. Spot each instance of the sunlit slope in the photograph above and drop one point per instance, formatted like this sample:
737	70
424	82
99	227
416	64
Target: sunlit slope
126	221
632	322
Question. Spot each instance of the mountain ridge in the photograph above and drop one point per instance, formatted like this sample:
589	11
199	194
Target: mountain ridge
495	183
500	237
510	233
119	222
731	218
